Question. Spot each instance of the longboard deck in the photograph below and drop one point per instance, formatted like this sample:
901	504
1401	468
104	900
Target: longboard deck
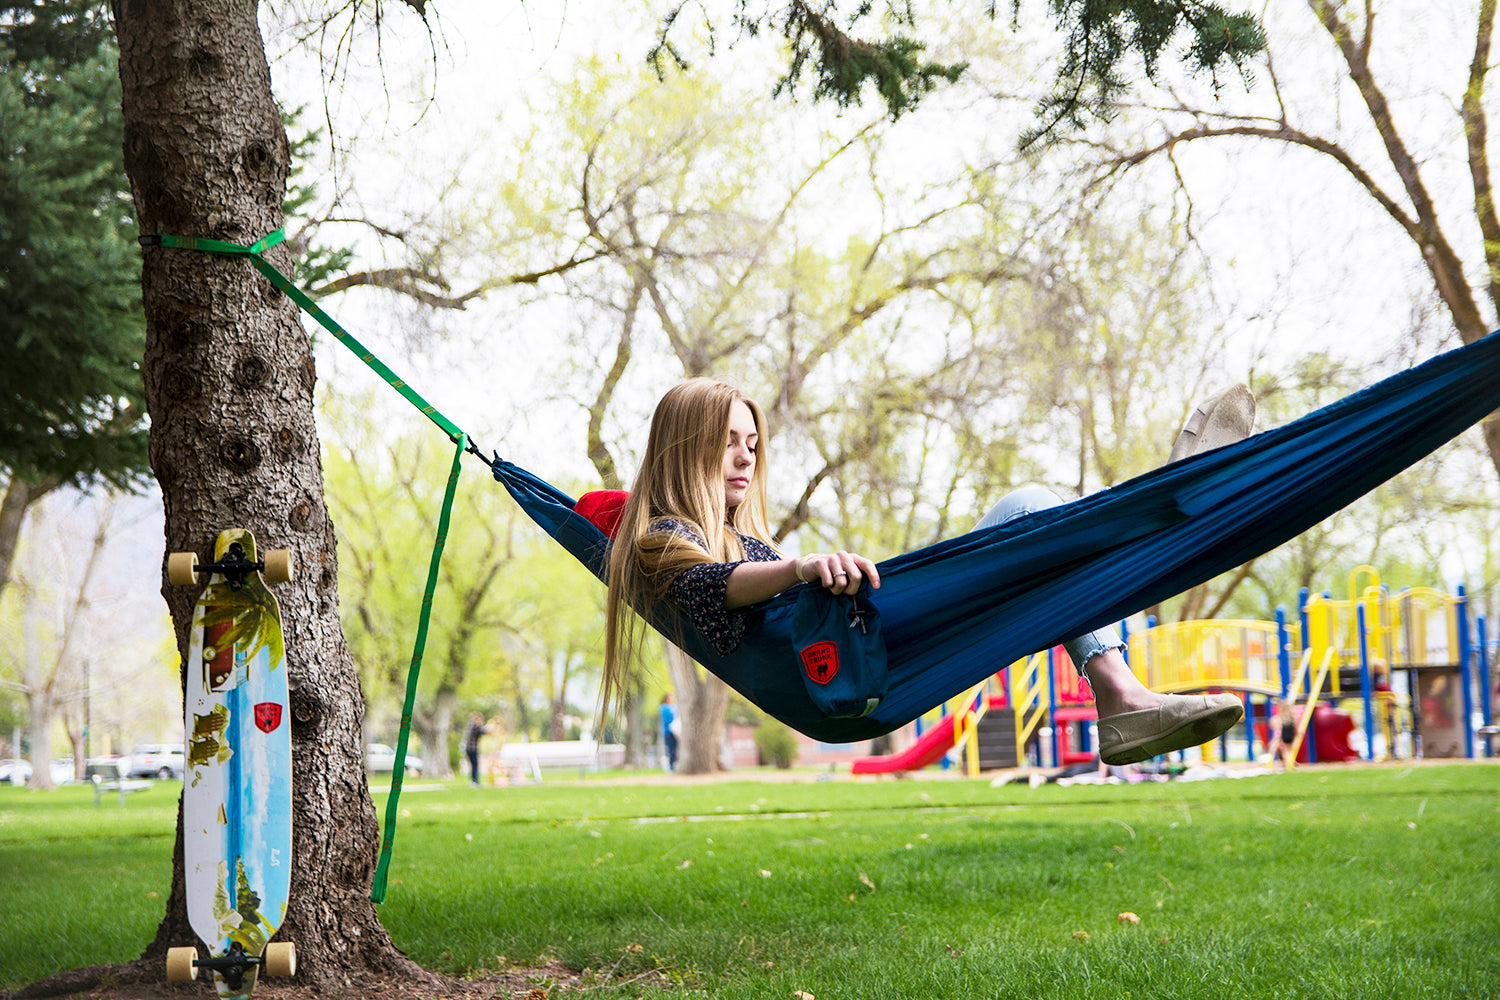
237	797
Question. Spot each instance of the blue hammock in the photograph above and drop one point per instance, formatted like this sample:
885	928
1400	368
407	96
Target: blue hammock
956	612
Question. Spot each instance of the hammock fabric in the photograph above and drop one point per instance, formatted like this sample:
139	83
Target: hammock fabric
956	612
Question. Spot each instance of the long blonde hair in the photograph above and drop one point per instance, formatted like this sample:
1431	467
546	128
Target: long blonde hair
681	477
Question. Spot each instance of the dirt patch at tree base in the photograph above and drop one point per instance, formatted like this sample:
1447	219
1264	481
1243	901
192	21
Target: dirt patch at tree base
135	982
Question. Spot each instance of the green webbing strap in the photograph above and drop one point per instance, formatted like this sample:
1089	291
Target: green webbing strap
300	297
398	773
458	437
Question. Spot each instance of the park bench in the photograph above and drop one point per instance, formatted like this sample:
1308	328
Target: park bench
585	755
107	778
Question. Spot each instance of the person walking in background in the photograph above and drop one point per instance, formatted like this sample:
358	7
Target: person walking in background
670	728
477	727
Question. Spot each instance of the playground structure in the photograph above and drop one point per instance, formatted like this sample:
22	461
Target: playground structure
1401	668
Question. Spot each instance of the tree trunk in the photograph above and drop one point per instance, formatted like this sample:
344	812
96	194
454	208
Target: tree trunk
41	697
703	701
79	748
41	709
433	724
229	379
635	727
20	494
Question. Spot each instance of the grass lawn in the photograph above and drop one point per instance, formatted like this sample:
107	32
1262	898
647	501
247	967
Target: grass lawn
1366	881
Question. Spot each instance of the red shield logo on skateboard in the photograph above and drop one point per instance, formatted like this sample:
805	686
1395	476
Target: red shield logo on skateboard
820	661
267	716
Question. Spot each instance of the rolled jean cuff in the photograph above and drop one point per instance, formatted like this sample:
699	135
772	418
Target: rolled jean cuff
1081	649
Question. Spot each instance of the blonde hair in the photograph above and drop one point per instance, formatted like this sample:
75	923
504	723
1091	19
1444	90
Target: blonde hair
681	477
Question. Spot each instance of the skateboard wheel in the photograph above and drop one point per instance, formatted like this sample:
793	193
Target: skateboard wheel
281	958
182	569
182	964
279	566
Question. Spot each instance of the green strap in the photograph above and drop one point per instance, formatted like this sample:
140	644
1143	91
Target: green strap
458	437
300	297
398	773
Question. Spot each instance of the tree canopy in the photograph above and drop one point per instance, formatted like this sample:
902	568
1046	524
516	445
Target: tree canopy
1101	38
71	404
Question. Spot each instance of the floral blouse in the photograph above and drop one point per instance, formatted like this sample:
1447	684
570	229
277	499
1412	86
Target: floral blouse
699	591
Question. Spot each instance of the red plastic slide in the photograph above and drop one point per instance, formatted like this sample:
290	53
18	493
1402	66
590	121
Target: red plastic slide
928	750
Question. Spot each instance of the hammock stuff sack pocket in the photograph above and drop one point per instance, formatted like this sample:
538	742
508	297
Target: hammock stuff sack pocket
840	651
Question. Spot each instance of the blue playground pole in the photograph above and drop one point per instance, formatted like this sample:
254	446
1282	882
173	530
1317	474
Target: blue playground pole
1465	672
1364	683
1249	727
1052	707
1284	649
1302	596
1485	708
1283	655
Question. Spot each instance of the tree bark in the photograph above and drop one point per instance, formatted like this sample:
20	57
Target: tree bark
703	701
19	495
229	379
433	724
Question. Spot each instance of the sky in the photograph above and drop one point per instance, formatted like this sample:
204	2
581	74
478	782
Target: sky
1302	260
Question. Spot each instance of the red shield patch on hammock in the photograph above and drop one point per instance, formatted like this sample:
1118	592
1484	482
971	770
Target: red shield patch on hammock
820	661
267	716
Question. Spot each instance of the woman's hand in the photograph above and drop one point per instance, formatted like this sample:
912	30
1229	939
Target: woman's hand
839	572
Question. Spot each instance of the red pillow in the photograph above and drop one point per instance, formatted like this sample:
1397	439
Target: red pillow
603	508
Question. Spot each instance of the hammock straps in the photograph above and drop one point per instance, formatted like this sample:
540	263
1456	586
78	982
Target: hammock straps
458	437
398	772
297	295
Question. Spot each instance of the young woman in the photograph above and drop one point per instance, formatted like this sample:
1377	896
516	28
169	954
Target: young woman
695	533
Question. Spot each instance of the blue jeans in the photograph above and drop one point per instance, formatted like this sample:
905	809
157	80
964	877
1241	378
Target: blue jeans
1027	500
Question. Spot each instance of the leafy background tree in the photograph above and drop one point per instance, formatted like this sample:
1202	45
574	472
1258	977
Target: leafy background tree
82	653
1408	156
513	630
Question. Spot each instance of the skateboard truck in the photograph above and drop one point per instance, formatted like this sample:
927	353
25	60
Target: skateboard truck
235	566
280	959
232	966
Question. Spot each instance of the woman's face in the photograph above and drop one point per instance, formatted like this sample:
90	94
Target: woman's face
739	454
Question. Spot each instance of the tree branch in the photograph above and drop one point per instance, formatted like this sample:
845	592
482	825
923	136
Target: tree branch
1476	133
409	281
1444	264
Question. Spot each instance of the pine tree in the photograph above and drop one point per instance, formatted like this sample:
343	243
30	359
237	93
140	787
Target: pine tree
71	402
1101	37
71	325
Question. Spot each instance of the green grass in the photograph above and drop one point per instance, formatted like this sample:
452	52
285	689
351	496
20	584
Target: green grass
1365	882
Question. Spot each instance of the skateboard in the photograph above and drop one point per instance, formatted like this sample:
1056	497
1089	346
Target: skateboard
237	778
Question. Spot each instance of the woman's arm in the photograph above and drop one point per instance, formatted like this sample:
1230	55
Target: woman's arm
840	572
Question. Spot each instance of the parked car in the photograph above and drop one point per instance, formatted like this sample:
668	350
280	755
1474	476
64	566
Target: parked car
14	772
156	760
381	759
